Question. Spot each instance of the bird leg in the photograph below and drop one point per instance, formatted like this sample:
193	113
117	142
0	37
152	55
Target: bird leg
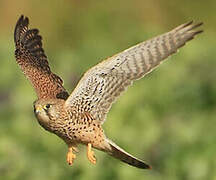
70	155
90	154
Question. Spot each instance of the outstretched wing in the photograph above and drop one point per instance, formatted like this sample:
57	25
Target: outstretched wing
31	58
102	84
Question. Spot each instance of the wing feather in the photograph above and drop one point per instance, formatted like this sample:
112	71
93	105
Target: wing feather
102	84
31	58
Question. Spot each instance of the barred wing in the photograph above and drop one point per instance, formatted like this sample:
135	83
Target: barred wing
32	60
102	84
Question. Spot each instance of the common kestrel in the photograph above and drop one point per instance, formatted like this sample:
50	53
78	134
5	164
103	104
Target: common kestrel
78	118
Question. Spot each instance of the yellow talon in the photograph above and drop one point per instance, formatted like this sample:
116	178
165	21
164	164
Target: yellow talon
70	156
90	154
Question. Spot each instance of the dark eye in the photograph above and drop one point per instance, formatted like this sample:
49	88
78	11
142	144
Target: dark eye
48	106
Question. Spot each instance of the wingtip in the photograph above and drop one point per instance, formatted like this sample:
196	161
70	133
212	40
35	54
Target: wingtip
188	23
198	32
189	26
201	23
21	23
192	21
197	25
193	27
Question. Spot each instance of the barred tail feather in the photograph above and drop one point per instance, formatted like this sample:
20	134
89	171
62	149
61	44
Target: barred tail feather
119	153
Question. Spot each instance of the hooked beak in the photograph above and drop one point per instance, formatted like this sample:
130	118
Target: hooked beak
38	109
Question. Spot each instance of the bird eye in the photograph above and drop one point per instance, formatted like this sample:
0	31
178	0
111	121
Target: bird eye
47	106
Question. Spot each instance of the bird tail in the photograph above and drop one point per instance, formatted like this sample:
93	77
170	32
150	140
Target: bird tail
119	153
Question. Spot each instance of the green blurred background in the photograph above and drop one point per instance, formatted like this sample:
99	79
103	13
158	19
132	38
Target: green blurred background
167	118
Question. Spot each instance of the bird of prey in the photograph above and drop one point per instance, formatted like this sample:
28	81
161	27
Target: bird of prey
77	118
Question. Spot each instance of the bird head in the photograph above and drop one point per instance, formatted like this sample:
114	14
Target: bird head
47	110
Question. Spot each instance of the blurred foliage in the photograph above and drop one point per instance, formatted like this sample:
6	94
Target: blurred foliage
167	118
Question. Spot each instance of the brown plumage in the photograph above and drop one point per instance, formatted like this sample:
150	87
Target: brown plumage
33	62
78	118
